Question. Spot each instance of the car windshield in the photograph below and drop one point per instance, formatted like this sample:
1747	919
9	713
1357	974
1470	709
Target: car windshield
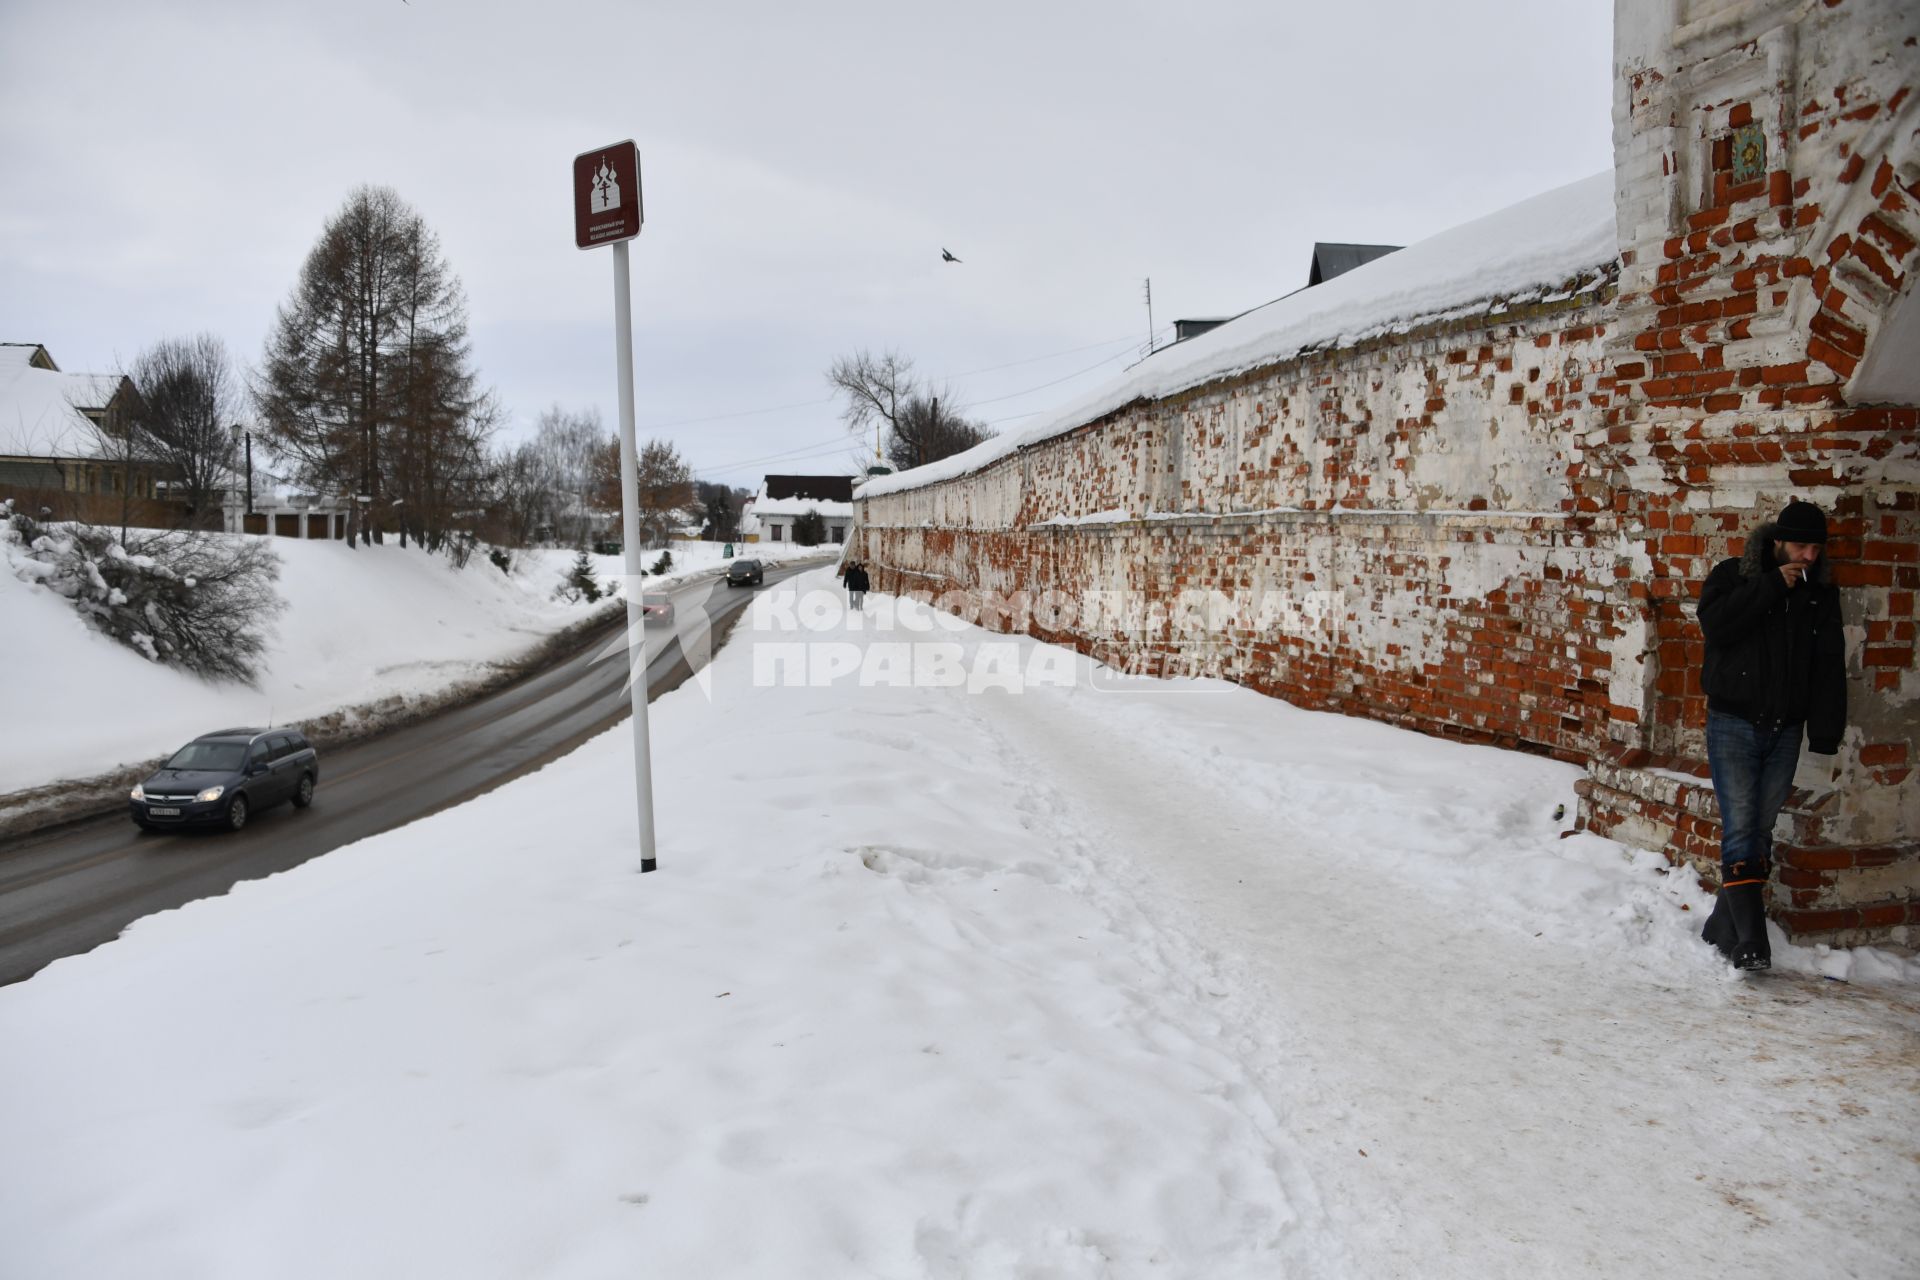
209	755
655	600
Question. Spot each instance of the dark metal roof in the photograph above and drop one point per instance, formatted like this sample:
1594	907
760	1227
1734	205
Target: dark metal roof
818	488
1184	329
1330	260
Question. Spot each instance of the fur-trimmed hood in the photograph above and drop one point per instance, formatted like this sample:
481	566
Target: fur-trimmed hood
1758	557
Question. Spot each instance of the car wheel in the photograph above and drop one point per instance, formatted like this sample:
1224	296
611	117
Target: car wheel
304	796
237	813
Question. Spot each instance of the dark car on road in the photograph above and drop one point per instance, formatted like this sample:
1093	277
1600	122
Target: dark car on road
745	572
221	779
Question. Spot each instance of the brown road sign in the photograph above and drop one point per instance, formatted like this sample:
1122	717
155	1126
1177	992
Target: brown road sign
606	195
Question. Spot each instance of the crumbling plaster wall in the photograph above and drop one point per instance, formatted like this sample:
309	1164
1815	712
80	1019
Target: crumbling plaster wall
1495	528
1392	528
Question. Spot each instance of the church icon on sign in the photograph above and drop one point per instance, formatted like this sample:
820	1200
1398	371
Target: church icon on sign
606	190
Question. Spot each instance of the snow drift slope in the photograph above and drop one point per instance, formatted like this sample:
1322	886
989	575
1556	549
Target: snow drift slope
360	625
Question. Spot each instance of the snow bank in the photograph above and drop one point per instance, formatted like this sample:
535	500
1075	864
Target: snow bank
968	960
1524	253
361	625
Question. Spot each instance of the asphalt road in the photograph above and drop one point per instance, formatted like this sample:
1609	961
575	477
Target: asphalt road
66	891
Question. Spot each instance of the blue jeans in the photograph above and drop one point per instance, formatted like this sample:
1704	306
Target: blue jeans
1752	777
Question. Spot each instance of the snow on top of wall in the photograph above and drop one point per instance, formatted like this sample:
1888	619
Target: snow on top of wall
1522	253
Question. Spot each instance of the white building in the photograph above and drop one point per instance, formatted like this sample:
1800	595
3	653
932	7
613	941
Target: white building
770	514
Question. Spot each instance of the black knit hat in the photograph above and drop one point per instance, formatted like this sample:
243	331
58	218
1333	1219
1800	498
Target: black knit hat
1800	522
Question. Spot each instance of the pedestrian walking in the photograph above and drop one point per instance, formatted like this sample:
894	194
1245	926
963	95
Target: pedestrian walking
857	584
1775	668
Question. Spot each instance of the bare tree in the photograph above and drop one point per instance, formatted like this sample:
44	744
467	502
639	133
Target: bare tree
665	484
442	419
874	387
882	394
190	400
182	598
366	385
519	502
568	471
927	431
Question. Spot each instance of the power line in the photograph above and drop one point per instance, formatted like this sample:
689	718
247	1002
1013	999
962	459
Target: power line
821	445
825	447
812	404
1072	351
744	413
724	475
1056	382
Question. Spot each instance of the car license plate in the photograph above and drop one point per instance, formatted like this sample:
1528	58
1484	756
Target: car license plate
158	812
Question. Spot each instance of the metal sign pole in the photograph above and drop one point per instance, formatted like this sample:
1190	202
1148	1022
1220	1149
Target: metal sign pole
630	536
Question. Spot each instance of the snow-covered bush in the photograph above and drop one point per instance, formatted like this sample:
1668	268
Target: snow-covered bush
502	559
664	564
199	601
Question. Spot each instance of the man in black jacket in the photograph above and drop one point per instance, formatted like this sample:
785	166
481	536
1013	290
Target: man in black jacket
857	583
1775	666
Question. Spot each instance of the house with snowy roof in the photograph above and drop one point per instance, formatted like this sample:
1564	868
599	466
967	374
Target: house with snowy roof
780	500
62	453
57	432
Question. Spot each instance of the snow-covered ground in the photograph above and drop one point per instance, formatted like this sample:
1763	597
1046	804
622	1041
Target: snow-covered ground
964	959
360	626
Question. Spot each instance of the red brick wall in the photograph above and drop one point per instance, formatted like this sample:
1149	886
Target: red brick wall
1411	503
1745	312
1496	531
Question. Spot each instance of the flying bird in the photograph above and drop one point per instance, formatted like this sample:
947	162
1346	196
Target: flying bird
946	256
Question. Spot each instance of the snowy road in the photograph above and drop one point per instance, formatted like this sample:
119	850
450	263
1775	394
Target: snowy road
68	890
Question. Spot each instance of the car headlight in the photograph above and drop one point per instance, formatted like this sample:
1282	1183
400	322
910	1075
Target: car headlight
139	792
211	793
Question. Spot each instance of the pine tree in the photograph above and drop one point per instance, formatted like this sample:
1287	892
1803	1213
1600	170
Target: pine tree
580	582
366	383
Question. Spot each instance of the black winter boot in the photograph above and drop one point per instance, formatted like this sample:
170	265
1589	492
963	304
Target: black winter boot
1738	925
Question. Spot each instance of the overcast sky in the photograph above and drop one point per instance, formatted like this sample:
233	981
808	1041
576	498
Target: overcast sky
164	169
